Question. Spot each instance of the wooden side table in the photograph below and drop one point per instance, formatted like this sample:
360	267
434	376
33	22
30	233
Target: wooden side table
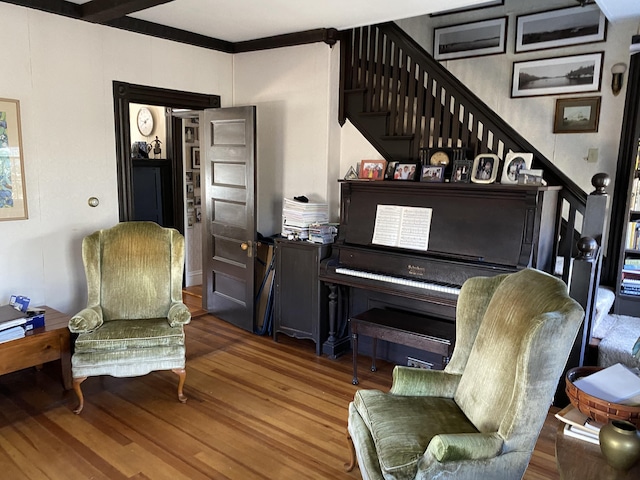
40	345
580	460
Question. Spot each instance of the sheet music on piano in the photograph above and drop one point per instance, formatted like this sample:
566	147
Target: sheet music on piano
403	227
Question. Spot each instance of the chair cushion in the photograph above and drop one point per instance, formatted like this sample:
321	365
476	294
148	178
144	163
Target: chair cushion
402	427
131	334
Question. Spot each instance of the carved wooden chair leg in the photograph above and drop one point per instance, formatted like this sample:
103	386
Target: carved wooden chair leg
352	454
78	390
182	374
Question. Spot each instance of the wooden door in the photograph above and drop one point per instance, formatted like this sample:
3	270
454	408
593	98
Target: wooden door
228	151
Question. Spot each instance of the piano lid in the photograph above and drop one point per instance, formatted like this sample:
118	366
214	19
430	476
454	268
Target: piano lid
494	224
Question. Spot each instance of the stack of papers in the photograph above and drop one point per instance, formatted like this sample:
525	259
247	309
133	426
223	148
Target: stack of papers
11	334
11	323
578	425
297	216
614	384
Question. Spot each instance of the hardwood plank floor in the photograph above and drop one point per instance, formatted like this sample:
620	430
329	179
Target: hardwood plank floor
256	410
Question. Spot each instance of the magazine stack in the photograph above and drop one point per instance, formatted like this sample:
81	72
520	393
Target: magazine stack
298	216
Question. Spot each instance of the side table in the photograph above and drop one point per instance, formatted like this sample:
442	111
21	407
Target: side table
40	345
580	460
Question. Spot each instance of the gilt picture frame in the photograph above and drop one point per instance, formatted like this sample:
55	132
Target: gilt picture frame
560	28
577	115
486	37
13	192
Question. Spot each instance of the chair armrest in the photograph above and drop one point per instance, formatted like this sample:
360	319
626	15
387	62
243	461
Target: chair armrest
179	314
409	381
86	320
455	447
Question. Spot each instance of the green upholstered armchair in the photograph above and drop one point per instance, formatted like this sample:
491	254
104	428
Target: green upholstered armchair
133	323
480	417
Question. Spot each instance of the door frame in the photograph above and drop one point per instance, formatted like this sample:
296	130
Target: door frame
123	95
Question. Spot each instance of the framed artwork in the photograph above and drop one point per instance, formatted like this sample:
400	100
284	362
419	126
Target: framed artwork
477	6
432	173
560	28
486	37
372	169
558	75
405	171
461	172
13	193
189	177
391	170
485	168
195	157
197	180
577	115
513	163
190	134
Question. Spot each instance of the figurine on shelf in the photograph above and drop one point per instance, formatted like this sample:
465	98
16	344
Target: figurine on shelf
157	151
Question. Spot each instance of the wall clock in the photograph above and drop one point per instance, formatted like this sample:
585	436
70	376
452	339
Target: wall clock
145	121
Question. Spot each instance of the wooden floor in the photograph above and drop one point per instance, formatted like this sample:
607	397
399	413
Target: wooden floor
256	410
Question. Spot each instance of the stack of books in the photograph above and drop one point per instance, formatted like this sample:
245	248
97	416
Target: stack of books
298	216
578	425
12	323
630	284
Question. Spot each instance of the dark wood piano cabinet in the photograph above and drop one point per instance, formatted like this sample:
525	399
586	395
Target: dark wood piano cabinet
476	230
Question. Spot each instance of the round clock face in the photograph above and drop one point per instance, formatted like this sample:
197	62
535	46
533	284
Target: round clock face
145	121
439	158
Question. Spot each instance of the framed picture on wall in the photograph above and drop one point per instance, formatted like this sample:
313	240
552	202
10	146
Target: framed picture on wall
577	115
13	194
486	37
195	157
560	28
558	75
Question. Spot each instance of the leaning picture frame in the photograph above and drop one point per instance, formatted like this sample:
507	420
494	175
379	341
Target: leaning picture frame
513	163
486	37
577	115
461	171
485	168
432	173
558	75
372	169
13	192
560	28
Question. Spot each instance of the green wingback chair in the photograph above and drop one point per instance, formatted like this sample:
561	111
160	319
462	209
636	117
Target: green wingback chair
133	323
480	417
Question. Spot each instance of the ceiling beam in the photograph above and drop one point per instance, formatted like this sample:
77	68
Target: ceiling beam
102	11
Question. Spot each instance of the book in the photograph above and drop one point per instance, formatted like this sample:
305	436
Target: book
574	417
571	431
613	384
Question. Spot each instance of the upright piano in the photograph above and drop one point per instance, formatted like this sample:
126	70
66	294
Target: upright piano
474	230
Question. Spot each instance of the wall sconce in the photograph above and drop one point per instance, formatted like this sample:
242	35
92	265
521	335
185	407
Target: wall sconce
617	77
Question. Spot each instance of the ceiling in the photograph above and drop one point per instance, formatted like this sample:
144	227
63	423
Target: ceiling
242	25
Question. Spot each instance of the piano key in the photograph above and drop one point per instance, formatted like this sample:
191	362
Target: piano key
398	280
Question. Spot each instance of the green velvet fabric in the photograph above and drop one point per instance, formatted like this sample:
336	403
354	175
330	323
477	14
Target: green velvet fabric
133	323
513	336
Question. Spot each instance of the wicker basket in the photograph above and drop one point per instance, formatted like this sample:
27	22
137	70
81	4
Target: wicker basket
596	408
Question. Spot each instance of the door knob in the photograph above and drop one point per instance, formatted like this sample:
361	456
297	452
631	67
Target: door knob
244	246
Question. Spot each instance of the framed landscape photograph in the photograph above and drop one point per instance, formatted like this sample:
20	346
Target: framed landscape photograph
560	28
577	115
513	163
372	169
486	37
485	168
558	75
13	194
432	173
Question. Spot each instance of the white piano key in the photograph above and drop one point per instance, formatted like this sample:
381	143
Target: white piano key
398	280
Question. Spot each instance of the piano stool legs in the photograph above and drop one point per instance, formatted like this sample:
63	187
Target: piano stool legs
354	348
373	354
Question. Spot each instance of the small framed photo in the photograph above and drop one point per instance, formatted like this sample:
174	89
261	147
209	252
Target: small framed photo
553	76
486	37
432	173
461	171
485	168
195	157
577	115
391	170
513	163
560	28
372	169
405	171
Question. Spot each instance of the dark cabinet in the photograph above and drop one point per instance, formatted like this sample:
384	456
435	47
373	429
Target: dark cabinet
301	299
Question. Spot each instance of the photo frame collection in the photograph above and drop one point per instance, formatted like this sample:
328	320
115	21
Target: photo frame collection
554	75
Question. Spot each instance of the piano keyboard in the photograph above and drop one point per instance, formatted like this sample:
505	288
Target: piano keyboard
399	281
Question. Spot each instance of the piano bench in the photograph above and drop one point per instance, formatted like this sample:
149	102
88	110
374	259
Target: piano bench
433	335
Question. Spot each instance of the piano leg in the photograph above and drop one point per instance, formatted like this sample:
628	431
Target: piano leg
374	345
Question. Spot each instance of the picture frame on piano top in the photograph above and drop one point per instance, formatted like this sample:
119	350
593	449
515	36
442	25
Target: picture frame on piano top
485	168
432	173
372	169
406	171
461	171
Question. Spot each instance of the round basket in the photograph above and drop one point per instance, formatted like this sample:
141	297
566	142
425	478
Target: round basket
594	407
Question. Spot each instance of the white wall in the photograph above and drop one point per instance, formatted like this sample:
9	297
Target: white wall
62	71
489	77
293	90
